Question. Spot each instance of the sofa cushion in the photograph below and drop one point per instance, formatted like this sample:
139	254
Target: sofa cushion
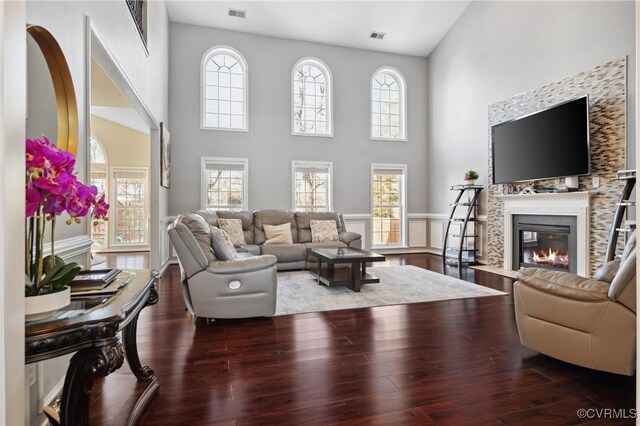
233	227
304	225
222	244
209	216
251	249
247	222
200	230
286	252
326	244
278	234
323	230
273	217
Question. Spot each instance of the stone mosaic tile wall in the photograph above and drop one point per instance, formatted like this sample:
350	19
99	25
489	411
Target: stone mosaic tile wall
606	86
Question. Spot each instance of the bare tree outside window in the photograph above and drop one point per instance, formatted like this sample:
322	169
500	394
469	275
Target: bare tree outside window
224	184
311	105
312	186
311	192
130	207
387	105
224	189
387	207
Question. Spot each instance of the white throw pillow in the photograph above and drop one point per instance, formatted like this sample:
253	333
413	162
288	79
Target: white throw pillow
233	227
323	230
278	234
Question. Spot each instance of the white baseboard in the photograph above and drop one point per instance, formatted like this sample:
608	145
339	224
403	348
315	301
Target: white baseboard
165	265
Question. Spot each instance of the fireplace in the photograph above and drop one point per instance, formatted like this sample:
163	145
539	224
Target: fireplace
545	242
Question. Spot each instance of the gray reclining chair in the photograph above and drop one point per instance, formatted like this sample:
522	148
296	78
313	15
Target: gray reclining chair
241	288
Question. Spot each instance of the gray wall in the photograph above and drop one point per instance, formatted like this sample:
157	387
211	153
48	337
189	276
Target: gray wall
269	145
499	49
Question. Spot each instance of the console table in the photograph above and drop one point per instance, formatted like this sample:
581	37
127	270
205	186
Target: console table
91	326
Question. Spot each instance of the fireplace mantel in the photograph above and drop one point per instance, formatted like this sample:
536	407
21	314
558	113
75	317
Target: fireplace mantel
562	204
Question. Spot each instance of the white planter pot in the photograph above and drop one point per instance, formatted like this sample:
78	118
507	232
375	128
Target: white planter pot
40	307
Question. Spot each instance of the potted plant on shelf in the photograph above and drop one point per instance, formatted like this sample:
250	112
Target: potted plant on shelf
52	188
470	177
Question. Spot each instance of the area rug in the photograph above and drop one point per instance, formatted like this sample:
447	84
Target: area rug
299	292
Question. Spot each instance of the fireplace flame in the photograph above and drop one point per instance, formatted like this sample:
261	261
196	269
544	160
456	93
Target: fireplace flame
551	258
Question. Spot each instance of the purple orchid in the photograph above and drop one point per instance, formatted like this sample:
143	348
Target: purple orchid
52	189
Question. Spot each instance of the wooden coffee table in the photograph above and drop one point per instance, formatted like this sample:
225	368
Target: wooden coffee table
354	276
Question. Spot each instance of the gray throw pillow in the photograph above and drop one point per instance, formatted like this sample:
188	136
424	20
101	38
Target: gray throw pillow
200	230
629	246
607	272
222	245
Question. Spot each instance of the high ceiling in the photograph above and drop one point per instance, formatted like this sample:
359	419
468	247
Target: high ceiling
411	27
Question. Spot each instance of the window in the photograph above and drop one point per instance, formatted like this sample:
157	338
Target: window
312	186
98	177
224	90
311	92
388	189
130	224
388	105
225	183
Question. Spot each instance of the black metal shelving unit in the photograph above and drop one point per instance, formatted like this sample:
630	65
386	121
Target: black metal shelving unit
618	227
461	235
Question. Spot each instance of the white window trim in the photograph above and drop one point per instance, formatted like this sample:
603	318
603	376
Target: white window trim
403	204
112	200
325	68
403	105
205	58
320	164
244	162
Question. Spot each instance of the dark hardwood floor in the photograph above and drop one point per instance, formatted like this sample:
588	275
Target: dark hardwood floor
447	362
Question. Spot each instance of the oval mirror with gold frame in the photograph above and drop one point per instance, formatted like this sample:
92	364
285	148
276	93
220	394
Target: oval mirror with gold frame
67	108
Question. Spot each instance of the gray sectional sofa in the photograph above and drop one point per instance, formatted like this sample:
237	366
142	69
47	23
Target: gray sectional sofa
246	286
289	256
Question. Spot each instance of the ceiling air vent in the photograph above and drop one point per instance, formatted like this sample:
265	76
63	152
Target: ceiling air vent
377	35
238	13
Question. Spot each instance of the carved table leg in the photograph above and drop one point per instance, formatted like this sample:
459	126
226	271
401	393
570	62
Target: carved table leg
129	335
86	366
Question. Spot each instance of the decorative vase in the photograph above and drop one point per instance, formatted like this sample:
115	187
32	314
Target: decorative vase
470	182
42	306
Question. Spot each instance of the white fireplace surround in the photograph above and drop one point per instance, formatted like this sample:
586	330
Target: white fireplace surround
556	204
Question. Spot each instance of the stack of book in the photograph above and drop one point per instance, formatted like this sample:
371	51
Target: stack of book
95	279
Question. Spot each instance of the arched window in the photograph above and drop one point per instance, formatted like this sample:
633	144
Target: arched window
388	105
224	89
311	98
98	160
98	177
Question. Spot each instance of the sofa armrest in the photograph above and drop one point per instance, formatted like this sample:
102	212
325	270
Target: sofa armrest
242	265
348	237
564	284
191	257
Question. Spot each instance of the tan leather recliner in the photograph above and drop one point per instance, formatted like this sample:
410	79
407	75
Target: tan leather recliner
587	322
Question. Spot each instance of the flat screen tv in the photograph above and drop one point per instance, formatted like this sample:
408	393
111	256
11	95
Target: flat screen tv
547	144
